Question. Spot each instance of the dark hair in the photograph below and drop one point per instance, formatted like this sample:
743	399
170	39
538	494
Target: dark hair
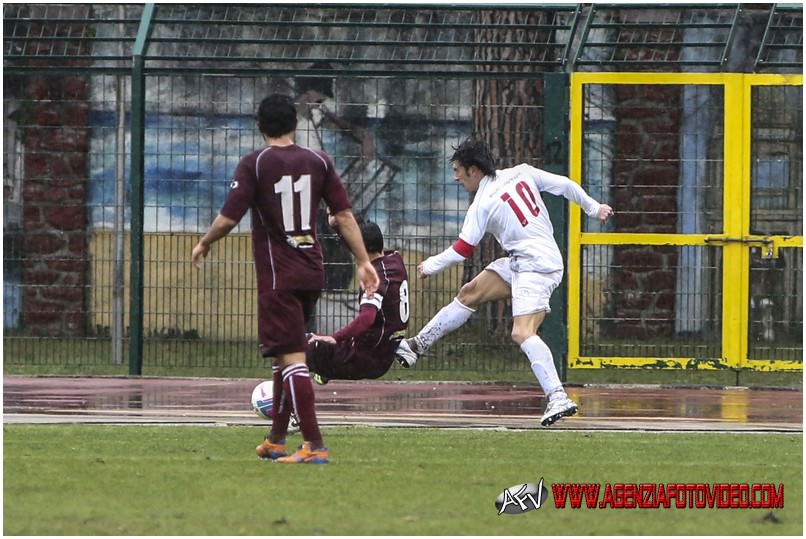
373	238
276	116
474	152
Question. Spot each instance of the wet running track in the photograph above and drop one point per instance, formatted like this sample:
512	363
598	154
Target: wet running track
117	400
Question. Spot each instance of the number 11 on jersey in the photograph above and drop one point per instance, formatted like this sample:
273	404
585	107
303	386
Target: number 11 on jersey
286	188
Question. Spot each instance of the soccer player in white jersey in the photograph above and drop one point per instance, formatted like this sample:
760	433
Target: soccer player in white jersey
508	205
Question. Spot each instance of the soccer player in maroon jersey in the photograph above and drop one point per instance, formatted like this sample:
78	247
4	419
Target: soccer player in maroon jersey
283	184
365	348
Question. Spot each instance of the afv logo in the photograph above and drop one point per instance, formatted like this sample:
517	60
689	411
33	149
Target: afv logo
522	498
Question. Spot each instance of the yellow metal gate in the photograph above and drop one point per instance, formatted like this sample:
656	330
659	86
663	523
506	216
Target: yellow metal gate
701	267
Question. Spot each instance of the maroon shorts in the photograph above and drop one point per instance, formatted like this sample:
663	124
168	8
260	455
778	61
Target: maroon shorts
343	361
282	318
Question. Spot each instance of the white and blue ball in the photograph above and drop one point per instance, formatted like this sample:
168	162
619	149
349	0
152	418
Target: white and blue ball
262	402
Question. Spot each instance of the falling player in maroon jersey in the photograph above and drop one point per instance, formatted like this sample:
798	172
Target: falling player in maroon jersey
365	348
283	184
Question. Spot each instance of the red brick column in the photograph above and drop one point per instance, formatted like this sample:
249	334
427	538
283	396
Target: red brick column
56	144
54	128
646	176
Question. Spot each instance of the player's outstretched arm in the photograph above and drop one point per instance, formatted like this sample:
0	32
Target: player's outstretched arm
571	190
321	338
451	256
363	320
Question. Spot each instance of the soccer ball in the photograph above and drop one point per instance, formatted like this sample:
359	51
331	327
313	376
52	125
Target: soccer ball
262	402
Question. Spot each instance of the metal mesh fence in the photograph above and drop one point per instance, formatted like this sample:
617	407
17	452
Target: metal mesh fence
64	37
382	40
776	208
658	151
639	35
633	297
387	92
782	43
389	140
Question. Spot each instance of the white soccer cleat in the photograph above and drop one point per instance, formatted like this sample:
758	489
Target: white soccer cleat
557	409
405	355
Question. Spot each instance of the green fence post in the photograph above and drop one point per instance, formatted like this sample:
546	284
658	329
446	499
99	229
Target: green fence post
555	152
137	197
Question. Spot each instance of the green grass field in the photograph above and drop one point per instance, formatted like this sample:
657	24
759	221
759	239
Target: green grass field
182	480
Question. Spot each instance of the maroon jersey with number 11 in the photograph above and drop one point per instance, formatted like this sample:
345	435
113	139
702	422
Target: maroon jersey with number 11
283	186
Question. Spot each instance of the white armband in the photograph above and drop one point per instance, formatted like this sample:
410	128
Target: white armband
447	258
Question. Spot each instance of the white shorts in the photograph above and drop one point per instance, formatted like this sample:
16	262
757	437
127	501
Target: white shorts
531	291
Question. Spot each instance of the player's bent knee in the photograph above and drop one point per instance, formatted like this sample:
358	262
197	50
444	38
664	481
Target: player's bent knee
467	288
519	336
469	295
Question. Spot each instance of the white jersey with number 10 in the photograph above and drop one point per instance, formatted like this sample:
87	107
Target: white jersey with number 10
509	206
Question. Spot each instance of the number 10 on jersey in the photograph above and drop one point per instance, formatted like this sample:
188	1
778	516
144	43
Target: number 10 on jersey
528	198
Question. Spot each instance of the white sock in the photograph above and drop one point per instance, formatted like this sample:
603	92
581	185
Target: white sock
451	317
543	367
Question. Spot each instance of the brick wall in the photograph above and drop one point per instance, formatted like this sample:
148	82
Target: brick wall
648	121
54	130
55	142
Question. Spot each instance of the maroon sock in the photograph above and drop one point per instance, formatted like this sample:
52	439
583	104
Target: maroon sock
282	409
298	387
